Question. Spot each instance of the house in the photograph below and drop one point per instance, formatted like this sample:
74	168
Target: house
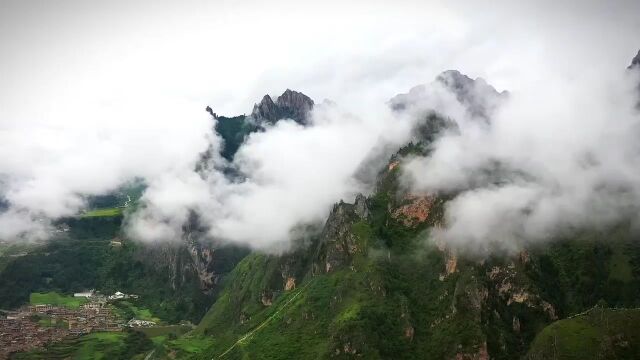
85	294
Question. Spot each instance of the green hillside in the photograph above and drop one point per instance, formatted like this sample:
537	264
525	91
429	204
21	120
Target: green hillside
373	284
600	333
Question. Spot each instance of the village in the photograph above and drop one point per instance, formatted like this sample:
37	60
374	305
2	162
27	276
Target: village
35	326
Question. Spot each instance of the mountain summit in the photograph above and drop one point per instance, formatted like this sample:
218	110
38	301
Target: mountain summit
291	104
478	97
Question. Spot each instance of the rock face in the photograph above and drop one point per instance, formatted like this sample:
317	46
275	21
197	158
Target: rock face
415	210
290	105
635	65
635	62
361	207
338	243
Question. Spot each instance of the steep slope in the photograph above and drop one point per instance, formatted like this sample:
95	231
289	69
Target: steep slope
371	285
599	333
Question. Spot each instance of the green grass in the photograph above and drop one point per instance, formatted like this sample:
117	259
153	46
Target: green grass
191	344
160	331
53	298
128	310
106	212
598	334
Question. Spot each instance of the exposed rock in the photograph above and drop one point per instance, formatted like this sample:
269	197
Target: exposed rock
635	65
210	111
451	264
243	317
202	258
338	244
290	105
516	324
361	207
409	331
523	256
290	284
266	109
635	62
520	297
513	292
393	165
416	211
266	298
549	309
296	104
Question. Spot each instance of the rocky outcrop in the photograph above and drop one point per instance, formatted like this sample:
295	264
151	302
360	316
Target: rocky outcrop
265	110
338	243
414	210
635	62
290	105
266	298
361	208
635	65
290	284
511	289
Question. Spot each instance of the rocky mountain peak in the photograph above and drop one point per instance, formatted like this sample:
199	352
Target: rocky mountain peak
478	97
265	109
635	62
338	243
290	105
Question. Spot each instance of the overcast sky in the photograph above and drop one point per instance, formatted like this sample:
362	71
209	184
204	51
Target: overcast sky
94	93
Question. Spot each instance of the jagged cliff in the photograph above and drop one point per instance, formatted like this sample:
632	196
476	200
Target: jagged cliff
635	62
290	105
234	130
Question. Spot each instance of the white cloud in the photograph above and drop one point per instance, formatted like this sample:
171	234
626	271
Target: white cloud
94	95
559	155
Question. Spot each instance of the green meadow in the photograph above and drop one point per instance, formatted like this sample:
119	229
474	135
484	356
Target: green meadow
106	212
53	298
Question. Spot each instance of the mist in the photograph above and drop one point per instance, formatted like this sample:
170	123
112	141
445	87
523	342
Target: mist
95	96
557	157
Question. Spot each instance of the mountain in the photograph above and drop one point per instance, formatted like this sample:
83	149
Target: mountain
373	281
478	97
234	130
290	105
372	284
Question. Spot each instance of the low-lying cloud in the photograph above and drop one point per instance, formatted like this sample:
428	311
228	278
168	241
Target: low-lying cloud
292	175
94	96
558	156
